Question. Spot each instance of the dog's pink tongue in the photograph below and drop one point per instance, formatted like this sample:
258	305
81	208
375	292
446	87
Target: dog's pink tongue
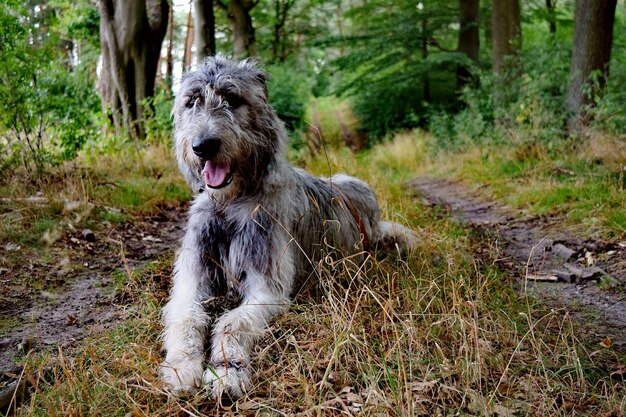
215	174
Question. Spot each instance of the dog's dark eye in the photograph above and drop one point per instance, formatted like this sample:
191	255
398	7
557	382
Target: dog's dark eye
233	100
194	99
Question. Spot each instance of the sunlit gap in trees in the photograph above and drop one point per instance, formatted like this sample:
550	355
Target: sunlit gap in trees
182	7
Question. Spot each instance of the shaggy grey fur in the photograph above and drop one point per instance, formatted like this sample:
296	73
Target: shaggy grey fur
256	227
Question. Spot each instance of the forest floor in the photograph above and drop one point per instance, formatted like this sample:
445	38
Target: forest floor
578	275
55	297
439	332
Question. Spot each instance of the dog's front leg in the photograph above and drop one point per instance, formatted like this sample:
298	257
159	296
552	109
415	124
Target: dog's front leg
185	322
234	335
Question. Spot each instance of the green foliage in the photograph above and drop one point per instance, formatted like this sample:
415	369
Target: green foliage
71	104
392	78
47	107
289	92
80	19
386	106
535	112
158	119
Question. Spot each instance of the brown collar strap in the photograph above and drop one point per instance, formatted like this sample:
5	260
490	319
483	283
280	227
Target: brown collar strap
357	218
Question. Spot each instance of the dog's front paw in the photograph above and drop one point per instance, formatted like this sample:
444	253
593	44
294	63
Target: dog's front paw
230	380
181	375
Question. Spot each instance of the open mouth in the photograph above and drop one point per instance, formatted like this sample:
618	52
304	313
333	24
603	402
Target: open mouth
216	175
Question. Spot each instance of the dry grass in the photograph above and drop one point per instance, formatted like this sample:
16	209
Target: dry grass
439	333
601	148
87	191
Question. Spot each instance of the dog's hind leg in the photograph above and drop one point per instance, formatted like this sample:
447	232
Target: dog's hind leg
185	321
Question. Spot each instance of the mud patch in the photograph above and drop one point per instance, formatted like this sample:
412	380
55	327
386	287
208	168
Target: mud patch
583	277
57	296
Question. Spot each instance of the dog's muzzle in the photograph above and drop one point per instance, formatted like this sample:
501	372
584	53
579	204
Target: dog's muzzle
206	146
215	174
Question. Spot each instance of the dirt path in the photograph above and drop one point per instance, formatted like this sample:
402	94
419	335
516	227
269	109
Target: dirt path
60	295
584	277
315	132
349	138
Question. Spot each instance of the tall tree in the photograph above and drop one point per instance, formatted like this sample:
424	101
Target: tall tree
506	45
204	28
593	37
131	34
469	38
281	12
238	12
506	34
187	54
424	54
551	15
169	56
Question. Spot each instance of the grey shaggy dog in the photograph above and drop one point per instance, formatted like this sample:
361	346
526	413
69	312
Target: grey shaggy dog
256	228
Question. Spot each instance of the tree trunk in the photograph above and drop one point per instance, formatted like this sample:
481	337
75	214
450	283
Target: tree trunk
593	37
485	20
131	34
244	42
469	39
507	34
169	57
425	78
551	9
188	43
281	12
204	29
506	48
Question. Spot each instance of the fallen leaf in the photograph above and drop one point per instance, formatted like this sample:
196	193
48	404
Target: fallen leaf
606	342
354	398
247	405
423	386
503	411
346	389
504	389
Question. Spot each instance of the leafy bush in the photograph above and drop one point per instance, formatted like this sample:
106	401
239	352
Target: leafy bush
158	119
71	105
536	111
387	106
46	107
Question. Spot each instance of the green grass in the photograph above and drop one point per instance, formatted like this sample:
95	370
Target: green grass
585	188
439	333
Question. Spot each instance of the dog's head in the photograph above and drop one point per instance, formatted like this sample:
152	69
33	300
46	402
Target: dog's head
227	135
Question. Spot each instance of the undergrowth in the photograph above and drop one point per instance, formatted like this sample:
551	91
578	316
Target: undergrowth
438	333
87	192
580	180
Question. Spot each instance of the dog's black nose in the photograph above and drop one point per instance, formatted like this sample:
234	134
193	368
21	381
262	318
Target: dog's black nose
206	146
